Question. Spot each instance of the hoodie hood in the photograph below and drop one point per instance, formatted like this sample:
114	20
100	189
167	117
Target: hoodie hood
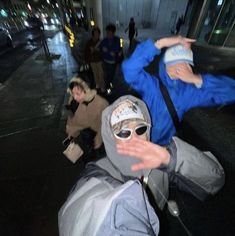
121	162
90	93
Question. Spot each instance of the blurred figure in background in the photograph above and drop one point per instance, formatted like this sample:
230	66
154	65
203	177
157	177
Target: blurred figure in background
93	57
132	31
179	23
111	54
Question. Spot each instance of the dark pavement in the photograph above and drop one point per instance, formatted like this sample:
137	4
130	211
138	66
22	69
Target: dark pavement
25	44
35	177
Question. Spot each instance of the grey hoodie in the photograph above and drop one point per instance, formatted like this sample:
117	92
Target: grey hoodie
100	205
121	162
196	172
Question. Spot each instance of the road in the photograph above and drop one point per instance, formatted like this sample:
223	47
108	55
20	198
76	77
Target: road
25	43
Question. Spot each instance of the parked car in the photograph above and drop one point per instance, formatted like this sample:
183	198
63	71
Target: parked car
5	37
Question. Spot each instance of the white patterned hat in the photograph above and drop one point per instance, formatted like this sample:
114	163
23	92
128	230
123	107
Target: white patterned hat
178	54
124	111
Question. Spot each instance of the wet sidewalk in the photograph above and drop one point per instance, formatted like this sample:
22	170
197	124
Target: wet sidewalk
35	178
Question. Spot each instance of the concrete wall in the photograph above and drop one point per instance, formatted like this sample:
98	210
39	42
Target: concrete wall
169	11
120	11
156	14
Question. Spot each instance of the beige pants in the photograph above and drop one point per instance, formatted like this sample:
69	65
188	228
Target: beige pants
98	72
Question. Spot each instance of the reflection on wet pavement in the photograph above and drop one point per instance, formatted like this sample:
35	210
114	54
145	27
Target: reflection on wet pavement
36	89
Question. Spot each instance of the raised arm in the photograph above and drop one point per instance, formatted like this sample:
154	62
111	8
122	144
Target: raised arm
170	41
133	67
196	172
213	91
218	89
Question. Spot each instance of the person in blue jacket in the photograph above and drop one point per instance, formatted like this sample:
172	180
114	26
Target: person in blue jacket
111	53
186	89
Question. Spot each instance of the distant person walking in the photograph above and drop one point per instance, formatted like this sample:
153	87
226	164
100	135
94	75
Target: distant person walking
179	23
111	53
93	57
132	31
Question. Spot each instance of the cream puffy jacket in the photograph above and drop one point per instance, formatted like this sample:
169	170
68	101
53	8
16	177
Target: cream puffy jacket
88	114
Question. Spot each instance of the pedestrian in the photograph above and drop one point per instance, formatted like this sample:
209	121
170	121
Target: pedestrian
125	130
132	31
93	57
111	54
186	89
87	113
179	23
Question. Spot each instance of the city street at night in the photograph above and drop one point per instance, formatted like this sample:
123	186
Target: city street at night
36	178
25	43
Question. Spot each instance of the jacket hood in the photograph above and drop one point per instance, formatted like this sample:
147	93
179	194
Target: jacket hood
90	93
121	162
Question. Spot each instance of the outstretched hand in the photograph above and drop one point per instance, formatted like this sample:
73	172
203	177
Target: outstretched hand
170	41
151	155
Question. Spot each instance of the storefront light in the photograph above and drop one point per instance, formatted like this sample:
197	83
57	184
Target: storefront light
29	7
218	31
121	42
3	13
23	13
220	2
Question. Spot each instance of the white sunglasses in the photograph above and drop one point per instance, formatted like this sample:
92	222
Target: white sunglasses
126	133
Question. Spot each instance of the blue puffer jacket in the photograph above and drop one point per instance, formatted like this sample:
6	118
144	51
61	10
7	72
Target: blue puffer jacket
215	90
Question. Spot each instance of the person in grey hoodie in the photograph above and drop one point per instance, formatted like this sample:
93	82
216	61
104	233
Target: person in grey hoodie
125	130
109	198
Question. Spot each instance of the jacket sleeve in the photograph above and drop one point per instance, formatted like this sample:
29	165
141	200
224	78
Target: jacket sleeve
194	171
133	68
72	128
98	138
215	90
221	89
